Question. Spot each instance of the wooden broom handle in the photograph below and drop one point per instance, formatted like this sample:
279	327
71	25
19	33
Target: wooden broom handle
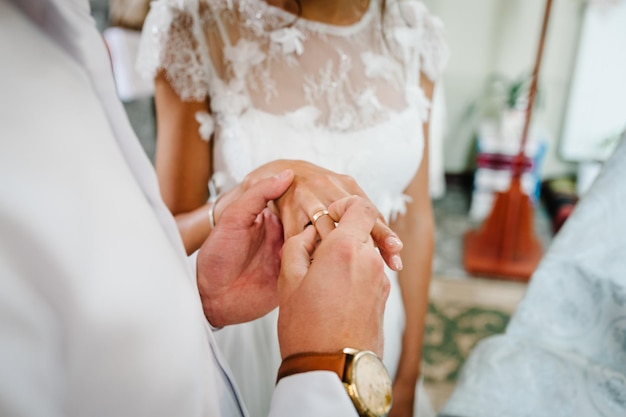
517	170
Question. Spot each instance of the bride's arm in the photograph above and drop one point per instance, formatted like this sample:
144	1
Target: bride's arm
416	229
182	162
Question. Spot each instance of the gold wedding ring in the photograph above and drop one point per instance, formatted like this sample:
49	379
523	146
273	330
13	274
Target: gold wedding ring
316	216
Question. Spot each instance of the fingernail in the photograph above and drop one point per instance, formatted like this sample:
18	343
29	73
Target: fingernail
396	262
283	174
393	242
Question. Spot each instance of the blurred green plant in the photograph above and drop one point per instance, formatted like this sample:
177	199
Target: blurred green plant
502	93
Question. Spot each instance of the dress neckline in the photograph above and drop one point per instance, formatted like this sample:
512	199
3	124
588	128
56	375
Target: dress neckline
327	28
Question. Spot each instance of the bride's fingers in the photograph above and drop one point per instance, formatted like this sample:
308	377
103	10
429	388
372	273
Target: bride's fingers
393	260
254	199
300	209
389	244
301	204
297	207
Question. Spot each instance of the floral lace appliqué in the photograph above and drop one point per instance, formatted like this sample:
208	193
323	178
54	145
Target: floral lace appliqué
229	99
289	39
207	125
243	56
380	66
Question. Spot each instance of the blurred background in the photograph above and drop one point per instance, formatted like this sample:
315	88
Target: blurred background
479	112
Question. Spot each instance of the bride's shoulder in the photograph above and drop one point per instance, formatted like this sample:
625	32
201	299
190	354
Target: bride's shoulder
416	28
409	12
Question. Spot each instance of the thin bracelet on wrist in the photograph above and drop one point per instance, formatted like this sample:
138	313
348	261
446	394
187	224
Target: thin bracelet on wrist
214	196
212	212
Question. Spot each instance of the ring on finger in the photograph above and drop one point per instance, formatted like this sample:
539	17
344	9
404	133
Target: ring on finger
316	216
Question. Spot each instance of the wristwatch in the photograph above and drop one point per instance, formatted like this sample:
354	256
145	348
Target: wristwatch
362	372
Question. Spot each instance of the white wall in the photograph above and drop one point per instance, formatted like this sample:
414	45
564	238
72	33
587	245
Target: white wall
596	112
500	36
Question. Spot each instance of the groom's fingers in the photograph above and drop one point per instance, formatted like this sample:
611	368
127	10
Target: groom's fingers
359	215
296	259
356	216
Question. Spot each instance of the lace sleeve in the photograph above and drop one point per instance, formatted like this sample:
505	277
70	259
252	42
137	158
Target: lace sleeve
433	47
172	40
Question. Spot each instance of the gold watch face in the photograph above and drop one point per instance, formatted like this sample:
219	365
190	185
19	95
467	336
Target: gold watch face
371	384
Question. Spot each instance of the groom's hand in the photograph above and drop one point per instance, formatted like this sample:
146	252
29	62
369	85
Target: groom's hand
333	295
239	263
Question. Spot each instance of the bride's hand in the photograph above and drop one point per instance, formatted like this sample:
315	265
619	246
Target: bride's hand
313	190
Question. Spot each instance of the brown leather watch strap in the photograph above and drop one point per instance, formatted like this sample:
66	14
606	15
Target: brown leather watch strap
312	361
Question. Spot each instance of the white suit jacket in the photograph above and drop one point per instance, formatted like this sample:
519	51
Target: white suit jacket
99	310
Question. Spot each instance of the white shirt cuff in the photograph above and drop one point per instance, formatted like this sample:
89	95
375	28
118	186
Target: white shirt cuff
311	394
193	266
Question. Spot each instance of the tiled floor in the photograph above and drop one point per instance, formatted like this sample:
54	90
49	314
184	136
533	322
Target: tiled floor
461	313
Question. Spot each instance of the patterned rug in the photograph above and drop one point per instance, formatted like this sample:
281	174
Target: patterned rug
461	313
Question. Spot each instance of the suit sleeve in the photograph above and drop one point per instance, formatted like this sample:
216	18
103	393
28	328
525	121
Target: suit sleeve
30	357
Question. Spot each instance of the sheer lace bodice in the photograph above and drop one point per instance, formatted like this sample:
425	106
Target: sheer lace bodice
345	97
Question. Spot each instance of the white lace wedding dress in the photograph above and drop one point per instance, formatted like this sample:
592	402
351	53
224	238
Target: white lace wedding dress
343	97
